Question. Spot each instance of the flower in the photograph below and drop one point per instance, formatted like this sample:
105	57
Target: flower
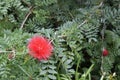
105	52
11	56
39	47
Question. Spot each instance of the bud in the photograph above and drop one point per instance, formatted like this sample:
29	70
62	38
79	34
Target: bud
105	52
11	56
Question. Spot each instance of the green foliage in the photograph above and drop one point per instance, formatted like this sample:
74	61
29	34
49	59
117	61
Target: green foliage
11	9
41	14
14	40
90	31
11	14
4	69
112	15
78	30
48	70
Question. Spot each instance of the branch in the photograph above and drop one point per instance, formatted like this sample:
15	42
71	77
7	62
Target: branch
82	23
30	11
24	70
25	3
13	51
100	4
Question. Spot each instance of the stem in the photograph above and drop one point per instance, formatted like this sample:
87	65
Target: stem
31	8
102	65
7	51
71	14
87	73
82	23
103	75
89	70
76	74
89	76
102	58
24	71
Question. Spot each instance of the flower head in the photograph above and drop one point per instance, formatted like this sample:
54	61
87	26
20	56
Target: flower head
105	52
39	47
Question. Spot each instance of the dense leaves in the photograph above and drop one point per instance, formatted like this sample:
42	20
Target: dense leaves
79	30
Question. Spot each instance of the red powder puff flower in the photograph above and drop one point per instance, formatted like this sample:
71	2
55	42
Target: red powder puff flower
105	52
39	47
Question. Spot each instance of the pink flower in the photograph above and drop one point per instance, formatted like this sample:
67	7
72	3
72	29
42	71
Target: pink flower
39	47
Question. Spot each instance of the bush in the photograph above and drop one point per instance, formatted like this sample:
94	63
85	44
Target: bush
78	29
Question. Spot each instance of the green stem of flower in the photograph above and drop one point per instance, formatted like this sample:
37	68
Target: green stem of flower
24	71
76	72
